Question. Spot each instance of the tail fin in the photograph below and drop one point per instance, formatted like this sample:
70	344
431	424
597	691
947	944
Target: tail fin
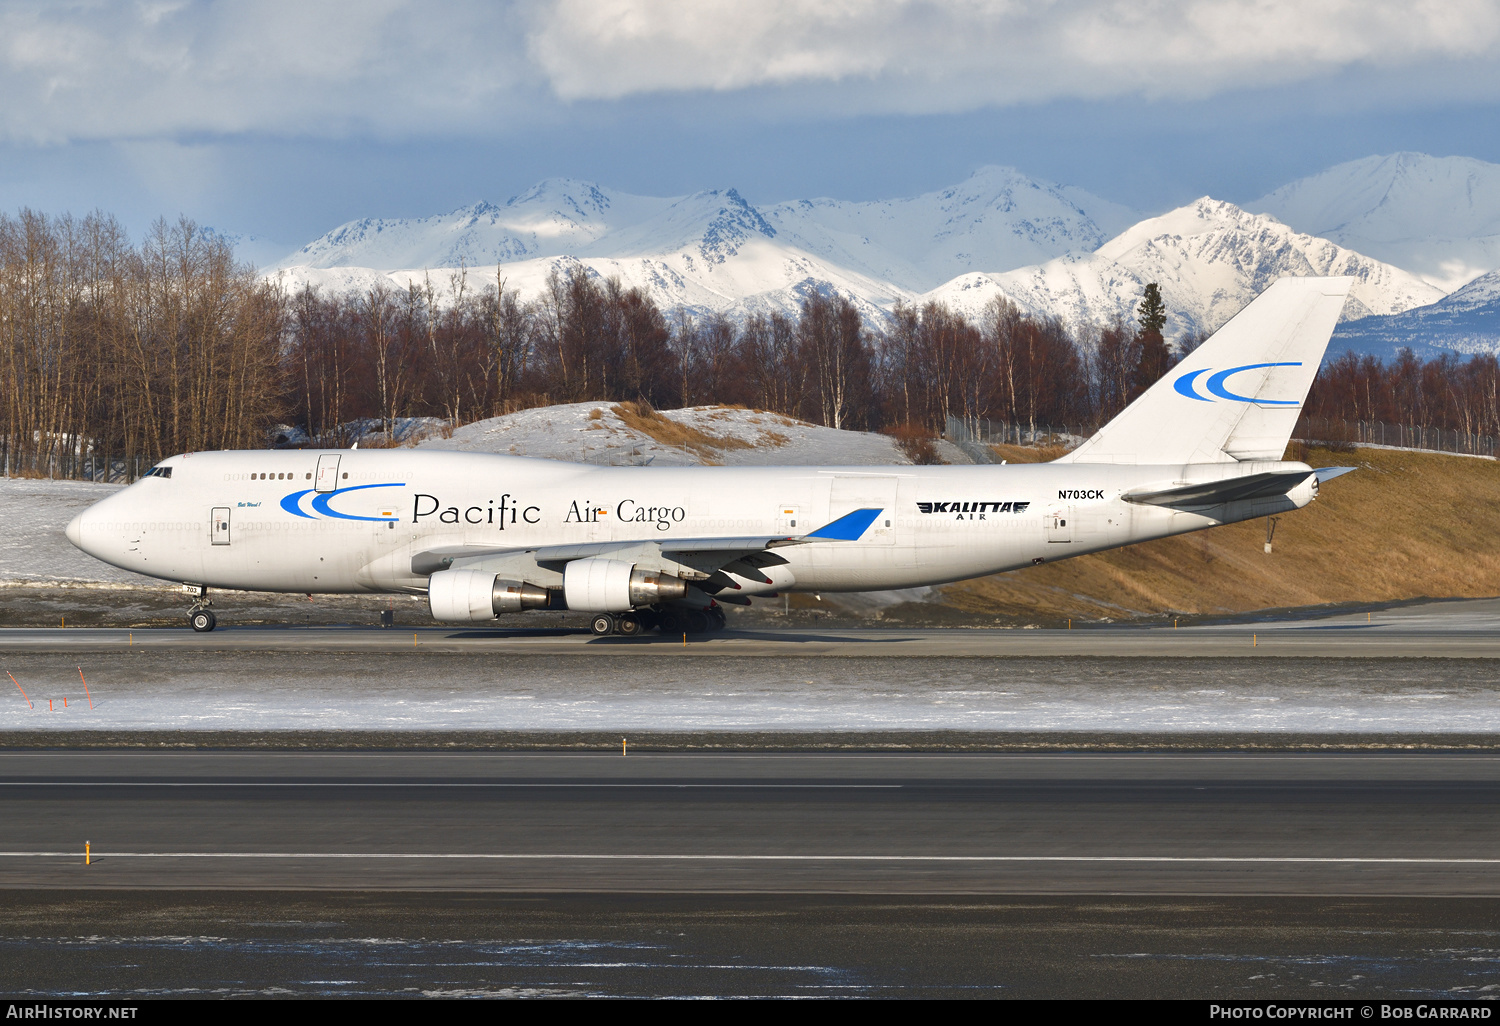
1237	396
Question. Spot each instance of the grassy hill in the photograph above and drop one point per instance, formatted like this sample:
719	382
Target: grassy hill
1404	526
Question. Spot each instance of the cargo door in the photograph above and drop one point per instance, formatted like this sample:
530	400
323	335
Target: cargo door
328	473
1058	524
220	535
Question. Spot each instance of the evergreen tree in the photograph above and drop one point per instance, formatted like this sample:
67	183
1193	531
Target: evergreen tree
1155	358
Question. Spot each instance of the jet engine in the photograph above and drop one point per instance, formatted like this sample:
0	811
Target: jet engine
464	596
613	586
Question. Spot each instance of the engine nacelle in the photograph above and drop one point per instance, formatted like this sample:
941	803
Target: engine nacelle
466	596
613	586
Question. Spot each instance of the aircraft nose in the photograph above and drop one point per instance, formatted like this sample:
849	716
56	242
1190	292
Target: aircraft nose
74	531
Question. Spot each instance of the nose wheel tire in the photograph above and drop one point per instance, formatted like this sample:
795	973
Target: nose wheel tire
202	621
603	625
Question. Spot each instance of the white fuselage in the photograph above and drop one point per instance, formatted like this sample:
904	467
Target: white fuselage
256	520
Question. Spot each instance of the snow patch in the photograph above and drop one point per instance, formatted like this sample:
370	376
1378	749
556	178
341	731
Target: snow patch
593	433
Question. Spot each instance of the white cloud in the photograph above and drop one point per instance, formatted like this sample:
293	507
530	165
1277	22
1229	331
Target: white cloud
957	53
97	69
120	70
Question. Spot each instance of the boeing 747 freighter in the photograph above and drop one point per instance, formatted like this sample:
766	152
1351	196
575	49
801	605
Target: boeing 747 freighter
642	548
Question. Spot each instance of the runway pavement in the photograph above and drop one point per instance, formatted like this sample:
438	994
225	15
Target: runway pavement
885	643
1206	824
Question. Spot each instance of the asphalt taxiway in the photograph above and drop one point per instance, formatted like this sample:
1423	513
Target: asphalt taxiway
884	643
1202	824
1466	629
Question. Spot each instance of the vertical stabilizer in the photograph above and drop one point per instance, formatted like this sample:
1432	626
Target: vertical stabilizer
1237	396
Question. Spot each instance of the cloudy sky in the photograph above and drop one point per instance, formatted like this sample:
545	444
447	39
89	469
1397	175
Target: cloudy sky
283	119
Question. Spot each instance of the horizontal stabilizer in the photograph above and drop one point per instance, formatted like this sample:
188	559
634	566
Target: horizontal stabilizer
1214	493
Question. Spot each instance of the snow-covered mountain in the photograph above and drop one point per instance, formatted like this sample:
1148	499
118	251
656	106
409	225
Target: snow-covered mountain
1438	217
710	252
1210	258
1052	249
557	217
713	251
996	219
1466	322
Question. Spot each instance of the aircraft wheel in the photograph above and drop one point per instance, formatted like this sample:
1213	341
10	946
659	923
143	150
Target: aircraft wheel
202	621
628	626
697	621
603	625
672	622
717	619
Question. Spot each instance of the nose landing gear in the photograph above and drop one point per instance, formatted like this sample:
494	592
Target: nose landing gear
200	617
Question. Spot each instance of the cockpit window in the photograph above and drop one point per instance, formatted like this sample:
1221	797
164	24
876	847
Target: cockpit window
159	472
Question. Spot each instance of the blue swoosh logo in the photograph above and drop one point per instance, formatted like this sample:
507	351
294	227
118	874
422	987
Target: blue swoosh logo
1184	385
292	502
1216	385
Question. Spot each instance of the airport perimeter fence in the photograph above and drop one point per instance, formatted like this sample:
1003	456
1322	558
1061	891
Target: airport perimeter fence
967	432
67	466
976	430
1397	436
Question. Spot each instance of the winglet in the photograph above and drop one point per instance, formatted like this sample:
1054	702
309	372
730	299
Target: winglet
849	527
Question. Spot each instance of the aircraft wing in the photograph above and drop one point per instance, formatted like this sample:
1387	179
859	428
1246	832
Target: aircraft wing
714	558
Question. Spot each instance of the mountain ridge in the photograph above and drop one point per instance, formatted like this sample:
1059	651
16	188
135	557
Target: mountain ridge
1053	249
1438	217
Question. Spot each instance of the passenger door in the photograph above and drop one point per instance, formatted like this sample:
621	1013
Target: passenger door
220	530
328	473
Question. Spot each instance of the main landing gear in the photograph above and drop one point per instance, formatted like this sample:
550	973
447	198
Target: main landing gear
200	617
670	621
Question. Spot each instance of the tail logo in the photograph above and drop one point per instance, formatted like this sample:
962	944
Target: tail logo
1217	385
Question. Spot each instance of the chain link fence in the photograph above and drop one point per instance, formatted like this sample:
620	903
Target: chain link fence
973	434
1397	436
68	466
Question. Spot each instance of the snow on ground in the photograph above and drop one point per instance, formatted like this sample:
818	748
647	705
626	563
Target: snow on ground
35	549
281	691
575	433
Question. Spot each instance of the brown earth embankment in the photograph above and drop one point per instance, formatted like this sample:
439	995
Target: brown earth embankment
1404	526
